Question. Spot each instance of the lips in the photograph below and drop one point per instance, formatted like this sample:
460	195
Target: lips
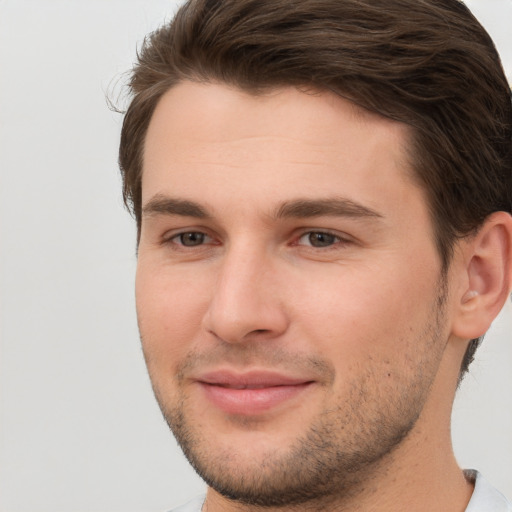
251	393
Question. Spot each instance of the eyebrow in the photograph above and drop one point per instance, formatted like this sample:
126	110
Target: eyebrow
298	208
160	204
338	207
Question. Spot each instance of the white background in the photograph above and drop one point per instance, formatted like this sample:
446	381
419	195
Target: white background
80	430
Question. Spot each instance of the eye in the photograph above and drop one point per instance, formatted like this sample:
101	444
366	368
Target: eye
319	239
190	239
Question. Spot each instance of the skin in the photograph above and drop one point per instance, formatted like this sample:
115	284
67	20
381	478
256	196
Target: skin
348	299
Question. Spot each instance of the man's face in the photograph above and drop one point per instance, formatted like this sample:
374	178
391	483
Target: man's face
287	288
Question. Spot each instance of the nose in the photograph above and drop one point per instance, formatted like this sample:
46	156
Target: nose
246	302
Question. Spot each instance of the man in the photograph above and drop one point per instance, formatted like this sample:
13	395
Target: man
323	192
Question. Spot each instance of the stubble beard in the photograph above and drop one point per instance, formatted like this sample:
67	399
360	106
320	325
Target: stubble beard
342	450
315	468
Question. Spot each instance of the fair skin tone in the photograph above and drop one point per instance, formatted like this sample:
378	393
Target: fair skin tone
291	308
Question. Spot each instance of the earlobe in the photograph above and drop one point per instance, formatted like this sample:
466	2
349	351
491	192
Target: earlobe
488	277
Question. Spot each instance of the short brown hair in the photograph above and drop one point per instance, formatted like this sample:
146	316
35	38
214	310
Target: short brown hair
426	63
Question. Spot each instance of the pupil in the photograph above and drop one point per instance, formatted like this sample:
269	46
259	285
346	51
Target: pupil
321	239
191	239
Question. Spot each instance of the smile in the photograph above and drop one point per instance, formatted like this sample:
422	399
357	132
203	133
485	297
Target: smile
251	393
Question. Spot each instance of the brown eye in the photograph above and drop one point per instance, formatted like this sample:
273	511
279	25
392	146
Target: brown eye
318	239
190	239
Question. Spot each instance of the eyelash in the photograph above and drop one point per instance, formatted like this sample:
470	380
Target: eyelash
179	236
332	239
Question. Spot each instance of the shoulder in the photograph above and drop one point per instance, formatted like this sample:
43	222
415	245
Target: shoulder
194	505
485	497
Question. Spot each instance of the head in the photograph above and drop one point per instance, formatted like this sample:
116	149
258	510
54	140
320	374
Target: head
427	64
421	77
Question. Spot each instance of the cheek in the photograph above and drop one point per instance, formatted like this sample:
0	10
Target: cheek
357	315
170	310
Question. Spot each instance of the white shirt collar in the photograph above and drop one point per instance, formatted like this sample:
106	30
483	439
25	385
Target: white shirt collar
485	497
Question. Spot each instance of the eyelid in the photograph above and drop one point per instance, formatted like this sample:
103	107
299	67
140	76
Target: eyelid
171	236
341	238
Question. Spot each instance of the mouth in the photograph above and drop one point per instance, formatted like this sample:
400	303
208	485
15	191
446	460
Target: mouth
251	393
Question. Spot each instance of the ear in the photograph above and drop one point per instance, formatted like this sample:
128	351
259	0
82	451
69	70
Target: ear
487	277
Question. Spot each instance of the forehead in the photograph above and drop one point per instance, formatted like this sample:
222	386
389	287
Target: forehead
221	143
195	112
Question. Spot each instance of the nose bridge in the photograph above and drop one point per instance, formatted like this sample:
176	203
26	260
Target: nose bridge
244	300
